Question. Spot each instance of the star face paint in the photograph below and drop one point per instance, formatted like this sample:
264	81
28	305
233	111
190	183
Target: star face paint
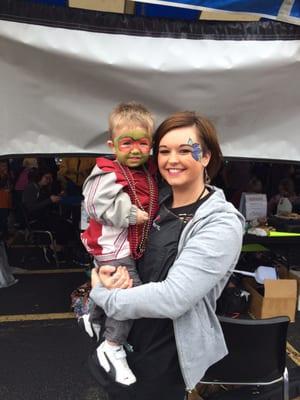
196	150
133	148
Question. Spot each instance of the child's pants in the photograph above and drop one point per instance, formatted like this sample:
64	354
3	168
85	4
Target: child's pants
116	331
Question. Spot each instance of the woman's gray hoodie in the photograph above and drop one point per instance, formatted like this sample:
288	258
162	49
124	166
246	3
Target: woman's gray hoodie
208	250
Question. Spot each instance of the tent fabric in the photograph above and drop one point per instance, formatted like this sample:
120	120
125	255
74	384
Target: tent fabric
70	18
63	70
282	10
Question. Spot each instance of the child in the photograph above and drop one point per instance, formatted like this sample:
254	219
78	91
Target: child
121	201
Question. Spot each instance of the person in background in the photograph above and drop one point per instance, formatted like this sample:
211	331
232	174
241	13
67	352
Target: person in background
5	196
40	206
50	164
176	335
72	173
21	182
235	174
6	277
253	186
286	189
16	167
121	201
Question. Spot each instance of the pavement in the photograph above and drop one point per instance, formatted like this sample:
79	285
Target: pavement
45	360
43	353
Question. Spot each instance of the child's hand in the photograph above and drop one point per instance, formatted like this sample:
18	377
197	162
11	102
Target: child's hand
141	217
112	277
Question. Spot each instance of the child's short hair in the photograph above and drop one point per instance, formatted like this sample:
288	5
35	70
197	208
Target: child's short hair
131	114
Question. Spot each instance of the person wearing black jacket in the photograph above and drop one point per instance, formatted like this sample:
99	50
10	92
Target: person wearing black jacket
40	207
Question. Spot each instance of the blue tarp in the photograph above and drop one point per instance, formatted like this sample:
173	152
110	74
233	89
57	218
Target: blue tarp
51	2
155	10
284	10
253	6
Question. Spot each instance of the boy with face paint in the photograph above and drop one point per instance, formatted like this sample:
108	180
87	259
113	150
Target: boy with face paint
121	201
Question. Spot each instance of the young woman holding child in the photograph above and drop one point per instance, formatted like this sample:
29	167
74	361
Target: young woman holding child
194	242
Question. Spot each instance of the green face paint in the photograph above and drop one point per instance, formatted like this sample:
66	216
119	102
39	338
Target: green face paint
133	148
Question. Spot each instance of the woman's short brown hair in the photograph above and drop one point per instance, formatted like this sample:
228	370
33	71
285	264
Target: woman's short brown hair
206	132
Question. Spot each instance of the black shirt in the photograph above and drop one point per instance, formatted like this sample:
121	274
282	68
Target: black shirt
155	354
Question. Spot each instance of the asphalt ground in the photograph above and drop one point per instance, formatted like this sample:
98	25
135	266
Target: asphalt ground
41	292
43	353
45	360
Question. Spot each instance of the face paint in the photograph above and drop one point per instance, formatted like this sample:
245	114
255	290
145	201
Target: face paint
196	150
133	148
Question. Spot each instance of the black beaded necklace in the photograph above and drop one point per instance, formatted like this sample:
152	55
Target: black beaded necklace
186	217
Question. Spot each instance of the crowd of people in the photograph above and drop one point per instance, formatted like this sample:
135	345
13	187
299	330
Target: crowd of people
61	187
44	193
276	181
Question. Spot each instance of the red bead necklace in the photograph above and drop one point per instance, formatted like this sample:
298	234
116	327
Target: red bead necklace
138	245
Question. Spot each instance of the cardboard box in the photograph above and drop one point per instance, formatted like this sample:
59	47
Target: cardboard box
295	274
280	298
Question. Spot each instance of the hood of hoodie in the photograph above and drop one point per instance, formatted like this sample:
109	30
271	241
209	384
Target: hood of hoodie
217	203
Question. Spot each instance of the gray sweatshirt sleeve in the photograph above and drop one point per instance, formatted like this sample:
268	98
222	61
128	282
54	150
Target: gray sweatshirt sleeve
204	261
105	200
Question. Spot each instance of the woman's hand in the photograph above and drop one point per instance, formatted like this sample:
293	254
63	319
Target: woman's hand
111	277
95	280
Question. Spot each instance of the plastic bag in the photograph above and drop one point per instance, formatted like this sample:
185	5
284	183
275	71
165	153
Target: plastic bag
80	301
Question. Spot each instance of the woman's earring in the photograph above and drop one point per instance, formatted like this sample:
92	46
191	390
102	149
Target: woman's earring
206	176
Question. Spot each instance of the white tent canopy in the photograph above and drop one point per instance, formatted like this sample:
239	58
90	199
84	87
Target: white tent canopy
58	85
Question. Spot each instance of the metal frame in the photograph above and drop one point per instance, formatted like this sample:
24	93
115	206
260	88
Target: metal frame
30	237
284	378
33	232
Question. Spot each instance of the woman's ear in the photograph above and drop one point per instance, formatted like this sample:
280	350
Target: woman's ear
205	158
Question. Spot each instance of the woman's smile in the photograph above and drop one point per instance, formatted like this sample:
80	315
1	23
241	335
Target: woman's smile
174	171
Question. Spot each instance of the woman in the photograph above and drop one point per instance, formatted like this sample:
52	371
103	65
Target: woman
40	207
194	244
286	190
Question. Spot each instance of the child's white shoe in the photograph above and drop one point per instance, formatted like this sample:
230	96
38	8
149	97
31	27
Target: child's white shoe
92	329
113	360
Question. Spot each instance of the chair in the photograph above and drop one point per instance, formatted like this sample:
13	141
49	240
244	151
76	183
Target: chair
257	354
40	238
